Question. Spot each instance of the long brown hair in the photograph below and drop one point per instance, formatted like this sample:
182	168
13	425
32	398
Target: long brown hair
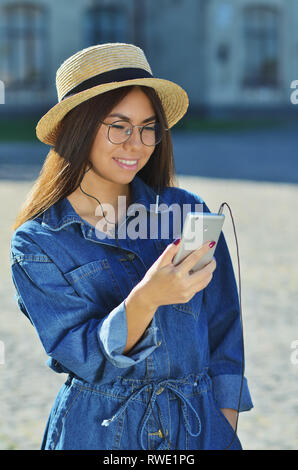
65	164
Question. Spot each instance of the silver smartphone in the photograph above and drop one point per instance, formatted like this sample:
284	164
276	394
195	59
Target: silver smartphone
198	228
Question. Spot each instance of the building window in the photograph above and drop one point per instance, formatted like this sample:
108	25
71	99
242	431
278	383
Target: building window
24	39
105	24
261	36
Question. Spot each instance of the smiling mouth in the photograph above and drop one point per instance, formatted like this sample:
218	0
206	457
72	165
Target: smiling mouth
126	162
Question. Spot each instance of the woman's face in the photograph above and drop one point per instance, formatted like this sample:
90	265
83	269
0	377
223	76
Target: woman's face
135	108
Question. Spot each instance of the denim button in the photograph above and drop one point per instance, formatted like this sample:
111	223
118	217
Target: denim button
130	256
159	391
159	343
157	433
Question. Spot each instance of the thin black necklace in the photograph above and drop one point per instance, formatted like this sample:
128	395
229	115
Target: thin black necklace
113	223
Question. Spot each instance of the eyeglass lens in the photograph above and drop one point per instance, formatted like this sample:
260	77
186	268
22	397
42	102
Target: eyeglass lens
120	131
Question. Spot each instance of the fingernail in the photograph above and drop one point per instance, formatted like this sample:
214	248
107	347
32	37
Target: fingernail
177	241
211	244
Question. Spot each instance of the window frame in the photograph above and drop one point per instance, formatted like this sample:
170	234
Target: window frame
257	39
92	31
31	32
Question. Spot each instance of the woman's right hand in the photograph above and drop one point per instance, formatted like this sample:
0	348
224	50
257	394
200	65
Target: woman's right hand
164	283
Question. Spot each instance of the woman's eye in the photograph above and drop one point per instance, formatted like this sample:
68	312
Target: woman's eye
116	126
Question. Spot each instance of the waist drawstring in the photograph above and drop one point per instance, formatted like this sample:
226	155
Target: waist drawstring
156	390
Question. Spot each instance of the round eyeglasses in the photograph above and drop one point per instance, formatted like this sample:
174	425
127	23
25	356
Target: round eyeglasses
120	131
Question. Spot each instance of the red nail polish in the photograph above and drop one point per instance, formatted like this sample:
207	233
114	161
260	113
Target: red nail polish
211	244
177	241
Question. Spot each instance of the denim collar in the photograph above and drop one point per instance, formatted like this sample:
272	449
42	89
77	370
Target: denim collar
62	213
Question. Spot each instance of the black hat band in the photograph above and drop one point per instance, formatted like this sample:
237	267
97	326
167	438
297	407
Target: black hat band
118	75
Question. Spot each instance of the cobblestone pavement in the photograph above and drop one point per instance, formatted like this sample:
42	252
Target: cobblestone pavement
266	227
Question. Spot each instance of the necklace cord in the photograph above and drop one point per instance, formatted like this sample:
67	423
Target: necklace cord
241	321
89	195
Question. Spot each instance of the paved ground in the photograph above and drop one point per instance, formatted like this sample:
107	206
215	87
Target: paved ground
265	215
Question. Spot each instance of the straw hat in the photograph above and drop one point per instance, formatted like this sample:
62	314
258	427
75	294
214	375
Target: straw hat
101	68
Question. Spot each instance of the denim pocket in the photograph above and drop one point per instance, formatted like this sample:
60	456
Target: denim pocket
96	282
193	306
229	438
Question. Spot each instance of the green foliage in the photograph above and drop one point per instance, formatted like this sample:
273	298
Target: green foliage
17	129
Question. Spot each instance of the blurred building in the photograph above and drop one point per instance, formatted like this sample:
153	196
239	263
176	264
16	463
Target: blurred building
231	56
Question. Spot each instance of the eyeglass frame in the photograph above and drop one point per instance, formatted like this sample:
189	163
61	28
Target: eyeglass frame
132	127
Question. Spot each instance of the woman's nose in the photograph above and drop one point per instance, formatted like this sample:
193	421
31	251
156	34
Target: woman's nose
134	139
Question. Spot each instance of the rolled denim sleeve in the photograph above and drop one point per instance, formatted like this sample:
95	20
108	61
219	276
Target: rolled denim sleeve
226	355
85	342
113	335
226	390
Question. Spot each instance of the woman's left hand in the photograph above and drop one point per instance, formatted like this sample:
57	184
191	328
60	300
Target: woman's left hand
231	416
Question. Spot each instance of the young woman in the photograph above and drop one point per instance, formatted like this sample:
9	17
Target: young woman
153	352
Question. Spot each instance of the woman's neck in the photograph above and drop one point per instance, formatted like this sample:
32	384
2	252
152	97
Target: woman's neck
106	192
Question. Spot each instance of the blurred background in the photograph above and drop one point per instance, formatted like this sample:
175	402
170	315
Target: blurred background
238	62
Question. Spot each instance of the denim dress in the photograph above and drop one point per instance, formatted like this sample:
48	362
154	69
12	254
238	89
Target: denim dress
168	390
